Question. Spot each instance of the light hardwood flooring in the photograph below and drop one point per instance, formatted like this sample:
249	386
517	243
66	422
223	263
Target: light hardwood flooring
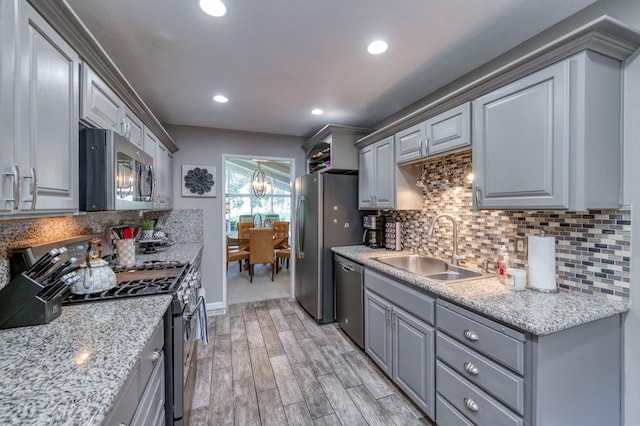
269	363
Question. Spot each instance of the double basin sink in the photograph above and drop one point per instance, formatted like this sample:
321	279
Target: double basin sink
429	267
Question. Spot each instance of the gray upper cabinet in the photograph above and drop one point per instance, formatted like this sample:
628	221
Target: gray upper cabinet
99	106
551	140
39	116
445	132
131	127
410	143
449	130
376	179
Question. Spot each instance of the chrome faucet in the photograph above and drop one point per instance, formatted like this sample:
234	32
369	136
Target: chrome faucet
454	256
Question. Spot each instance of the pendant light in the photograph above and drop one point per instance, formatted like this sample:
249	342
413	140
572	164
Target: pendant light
213	7
261	182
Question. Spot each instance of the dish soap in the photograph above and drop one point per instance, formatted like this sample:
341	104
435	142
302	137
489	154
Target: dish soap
503	262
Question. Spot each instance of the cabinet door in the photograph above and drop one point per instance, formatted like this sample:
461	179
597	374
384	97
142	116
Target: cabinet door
413	358
521	142
449	130
384	174
100	106
366	177
410	143
132	127
48	116
377	330
8	172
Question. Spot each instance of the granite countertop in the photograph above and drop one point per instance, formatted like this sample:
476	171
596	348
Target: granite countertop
530	311
46	378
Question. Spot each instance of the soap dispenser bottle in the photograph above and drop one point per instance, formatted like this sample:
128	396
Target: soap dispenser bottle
502	264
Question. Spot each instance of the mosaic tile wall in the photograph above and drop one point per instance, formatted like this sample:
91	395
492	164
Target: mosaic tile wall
181	225
593	248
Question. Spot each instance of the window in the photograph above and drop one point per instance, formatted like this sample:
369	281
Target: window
243	205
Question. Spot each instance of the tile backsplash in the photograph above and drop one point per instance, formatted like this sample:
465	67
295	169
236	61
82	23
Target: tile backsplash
181	225
593	248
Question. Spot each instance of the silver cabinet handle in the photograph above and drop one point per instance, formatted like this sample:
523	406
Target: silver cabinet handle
155	355
470	368
471	335
387	312
470	404
34	188
394	319
478	195
15	174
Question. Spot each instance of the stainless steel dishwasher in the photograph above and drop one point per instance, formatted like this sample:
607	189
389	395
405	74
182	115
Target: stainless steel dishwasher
349	310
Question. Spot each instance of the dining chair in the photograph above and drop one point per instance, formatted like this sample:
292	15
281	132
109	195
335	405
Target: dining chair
243	230
235	254
281	229
261	249
283	255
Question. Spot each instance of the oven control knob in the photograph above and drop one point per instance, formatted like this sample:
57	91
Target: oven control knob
185	296
155	355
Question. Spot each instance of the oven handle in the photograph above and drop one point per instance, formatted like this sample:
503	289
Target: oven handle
190	315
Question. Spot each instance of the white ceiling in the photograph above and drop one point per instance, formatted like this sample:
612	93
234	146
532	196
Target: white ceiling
277	59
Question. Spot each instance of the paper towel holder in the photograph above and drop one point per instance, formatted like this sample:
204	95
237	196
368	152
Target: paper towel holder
546	288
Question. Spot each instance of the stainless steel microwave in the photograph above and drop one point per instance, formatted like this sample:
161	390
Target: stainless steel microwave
114	173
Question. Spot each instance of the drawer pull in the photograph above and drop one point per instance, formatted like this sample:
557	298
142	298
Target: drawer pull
155	355
470	368
471	335
470	404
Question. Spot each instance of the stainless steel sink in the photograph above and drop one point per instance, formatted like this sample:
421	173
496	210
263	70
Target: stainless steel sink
435	269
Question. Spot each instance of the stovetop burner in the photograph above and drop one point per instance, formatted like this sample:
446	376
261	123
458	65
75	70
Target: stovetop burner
150	265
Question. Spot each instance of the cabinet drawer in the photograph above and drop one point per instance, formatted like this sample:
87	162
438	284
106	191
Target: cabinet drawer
447	415
471	401
498	381
497	341
151	353
413	301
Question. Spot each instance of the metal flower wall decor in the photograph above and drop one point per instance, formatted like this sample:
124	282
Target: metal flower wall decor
198	181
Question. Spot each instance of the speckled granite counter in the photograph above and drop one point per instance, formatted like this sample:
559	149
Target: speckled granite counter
531	311
182	252
45	379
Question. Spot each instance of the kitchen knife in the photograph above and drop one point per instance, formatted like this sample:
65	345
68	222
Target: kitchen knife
46	268
40	263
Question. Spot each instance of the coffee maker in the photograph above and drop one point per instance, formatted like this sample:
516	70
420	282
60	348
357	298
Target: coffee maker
373	231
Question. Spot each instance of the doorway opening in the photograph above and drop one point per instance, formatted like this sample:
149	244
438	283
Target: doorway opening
258	193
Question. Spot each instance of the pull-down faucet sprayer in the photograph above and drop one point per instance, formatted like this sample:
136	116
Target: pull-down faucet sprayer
454	256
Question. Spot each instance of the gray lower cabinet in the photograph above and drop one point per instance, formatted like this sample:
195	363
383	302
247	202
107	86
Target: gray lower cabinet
398	337
141	400
490	374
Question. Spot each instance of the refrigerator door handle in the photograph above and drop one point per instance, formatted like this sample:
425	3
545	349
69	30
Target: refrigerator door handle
300	226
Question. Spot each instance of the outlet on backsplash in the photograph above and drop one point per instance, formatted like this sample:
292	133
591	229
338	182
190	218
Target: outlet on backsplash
593	248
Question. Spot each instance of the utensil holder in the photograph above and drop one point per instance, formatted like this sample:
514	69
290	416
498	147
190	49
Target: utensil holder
126	250
21	305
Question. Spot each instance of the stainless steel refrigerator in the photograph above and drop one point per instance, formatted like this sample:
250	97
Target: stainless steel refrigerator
326	216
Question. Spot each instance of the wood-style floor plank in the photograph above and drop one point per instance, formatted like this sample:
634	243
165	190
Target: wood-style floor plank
223	324
262	372
271	409
254	334
235	310
312	391
298	415
315	332
238	331
342	404
372	412
376	384
316	358
278	320
296	326
285	307
343	371
399	411
221	410
221	351
291	347
203	380
264	318
249	312
272	341
245	402
240	360
287	384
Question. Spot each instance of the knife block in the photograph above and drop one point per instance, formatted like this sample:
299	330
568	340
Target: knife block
21	306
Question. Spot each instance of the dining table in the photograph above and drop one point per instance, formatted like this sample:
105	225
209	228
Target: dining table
245	243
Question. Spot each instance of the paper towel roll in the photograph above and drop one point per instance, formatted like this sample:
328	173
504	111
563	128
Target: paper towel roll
542	263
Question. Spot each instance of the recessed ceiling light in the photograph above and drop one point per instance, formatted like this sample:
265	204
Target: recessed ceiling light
213	7
377	47
317	111
220	98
